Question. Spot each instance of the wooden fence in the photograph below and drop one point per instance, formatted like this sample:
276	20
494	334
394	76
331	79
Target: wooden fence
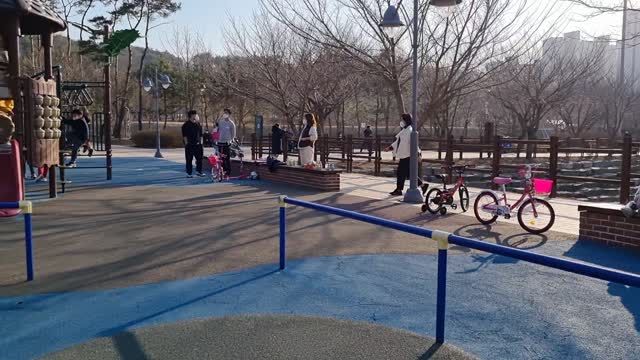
344	150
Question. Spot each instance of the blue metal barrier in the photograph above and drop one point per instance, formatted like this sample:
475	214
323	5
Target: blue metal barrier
27	210
444	239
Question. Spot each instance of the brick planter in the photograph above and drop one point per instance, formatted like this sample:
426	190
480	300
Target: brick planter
606	224
322	180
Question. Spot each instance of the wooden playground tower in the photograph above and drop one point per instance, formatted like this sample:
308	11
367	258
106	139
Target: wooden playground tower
37	99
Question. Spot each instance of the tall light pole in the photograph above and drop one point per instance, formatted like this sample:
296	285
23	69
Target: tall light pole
391	23
160	81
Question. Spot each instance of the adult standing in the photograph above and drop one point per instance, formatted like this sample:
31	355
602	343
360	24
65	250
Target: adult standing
192	140
401	148
227	131
367	143
308	137
277	136
78	134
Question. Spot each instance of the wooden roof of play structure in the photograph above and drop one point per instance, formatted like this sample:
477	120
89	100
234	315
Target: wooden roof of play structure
35	17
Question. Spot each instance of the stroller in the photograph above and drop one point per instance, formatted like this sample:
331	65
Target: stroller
216	159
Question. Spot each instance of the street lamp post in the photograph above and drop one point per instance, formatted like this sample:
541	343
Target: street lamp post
390	24
164	81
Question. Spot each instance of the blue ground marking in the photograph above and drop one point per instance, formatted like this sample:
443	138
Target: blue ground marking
501	310
130	171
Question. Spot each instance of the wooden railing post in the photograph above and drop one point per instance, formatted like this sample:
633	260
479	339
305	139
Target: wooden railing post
285	147
553	165
254	145
378	159
349	153
461	150
439	149
625	171
495	164
260	147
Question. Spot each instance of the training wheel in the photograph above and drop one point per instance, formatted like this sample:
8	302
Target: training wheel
424	208
443	211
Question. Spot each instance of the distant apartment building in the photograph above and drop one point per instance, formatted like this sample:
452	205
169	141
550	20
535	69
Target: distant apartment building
632	49
572	46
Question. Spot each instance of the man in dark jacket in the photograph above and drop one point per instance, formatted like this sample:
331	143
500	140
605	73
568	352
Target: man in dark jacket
77	135
368	140
192	139
277	136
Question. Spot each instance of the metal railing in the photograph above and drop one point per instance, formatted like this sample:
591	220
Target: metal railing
444	239
27	209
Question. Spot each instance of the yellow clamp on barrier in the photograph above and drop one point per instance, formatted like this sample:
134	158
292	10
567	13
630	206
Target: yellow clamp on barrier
26	207
281	201
442	238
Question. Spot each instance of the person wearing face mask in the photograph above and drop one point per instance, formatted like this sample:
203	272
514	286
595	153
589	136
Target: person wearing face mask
227	133
192	139
308	137
78	134
401	148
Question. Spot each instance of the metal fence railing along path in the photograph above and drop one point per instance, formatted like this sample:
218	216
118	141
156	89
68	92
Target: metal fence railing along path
444	239
27	209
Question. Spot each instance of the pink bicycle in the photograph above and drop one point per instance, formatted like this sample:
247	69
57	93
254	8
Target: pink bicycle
535	215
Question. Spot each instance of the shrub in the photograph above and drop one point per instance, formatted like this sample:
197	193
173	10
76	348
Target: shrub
147	139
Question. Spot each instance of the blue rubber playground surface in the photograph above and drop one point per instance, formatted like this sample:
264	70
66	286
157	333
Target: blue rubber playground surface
497	307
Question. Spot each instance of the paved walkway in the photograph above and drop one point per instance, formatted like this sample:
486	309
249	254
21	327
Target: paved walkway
567	215
378	188
152	248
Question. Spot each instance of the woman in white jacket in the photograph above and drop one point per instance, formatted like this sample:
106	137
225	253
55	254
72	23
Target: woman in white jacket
308	137
401	148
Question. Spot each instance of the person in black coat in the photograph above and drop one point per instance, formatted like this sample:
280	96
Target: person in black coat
277	136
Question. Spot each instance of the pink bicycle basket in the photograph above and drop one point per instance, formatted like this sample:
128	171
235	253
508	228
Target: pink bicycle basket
213	160
542	186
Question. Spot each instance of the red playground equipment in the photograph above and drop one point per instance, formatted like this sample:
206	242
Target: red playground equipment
11	189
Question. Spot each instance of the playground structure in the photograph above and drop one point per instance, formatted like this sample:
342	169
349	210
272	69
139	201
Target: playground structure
40	99
27	209
33	107
444	240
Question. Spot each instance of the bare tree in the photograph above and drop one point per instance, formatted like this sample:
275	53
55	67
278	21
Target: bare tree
461	51
615	103
350	27
187	45
579	113
533	89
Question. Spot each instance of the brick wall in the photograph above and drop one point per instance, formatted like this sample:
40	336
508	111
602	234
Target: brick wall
607	224
328	181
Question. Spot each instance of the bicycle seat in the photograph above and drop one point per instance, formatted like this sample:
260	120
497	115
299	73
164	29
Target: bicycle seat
502	181
439	176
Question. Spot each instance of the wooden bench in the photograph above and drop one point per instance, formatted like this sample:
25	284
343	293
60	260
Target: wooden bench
606	224
323	180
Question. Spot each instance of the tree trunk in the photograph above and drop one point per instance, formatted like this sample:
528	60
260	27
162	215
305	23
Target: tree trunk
399	98
387	114
124	104
141	67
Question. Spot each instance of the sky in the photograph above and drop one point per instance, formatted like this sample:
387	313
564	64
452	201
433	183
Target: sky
209	18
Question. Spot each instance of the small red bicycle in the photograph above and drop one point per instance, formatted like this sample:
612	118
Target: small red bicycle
535	215
437	199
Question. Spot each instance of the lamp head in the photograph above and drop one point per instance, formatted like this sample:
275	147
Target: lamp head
147	85
445	3
165	81
391	23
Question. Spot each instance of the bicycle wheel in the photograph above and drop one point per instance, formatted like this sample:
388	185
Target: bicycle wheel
538	222
464	198
434	200
485	207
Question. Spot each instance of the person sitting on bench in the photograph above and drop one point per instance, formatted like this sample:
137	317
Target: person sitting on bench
78	135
